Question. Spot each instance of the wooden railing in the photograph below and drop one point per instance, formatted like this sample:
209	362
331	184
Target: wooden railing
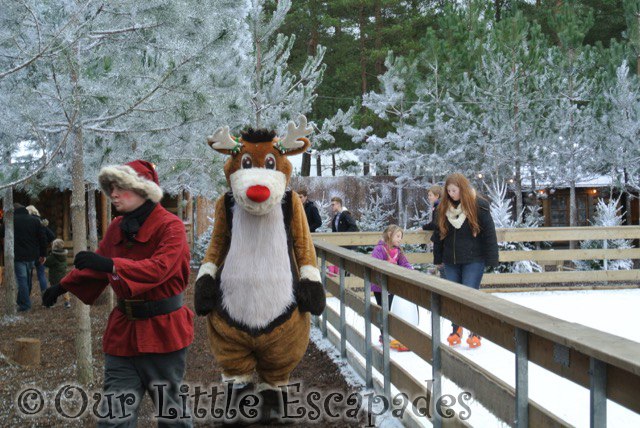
607	365
543	257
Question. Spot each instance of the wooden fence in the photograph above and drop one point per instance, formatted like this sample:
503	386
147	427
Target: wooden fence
607	365
542	257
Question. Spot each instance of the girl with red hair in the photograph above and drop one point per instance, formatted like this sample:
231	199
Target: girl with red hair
464	240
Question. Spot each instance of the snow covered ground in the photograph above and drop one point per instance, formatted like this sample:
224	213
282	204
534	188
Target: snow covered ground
612	311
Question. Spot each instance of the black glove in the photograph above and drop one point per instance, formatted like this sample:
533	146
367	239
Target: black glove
89	260
206	293
311	297
51	294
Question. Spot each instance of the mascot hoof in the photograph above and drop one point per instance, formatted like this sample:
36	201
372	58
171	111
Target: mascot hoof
206	295
311	297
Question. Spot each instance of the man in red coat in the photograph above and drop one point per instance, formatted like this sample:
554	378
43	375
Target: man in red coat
144	256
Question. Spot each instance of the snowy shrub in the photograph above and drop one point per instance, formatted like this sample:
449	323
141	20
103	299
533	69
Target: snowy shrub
375	216
324	208
200	246
501	213
607	214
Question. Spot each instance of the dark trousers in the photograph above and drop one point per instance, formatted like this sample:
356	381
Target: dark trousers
158	374
469	274
378	296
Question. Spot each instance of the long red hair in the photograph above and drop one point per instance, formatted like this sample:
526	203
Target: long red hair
467	204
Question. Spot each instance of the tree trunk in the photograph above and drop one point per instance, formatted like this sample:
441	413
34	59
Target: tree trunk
188	212
378	66
111	299
105	219
362	19
305	168
333	164
518	189
93	220
180	211
319	165
78	214
573	211
628	197
9	279
498	6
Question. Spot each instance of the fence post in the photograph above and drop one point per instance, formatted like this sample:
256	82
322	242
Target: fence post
367	328
598	396
436	358
385	337
343	313
323	276
522	378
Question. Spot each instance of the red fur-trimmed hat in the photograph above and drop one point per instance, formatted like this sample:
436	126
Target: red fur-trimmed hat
139	176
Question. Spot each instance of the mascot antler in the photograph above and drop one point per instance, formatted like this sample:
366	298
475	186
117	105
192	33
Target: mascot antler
290	140
221	139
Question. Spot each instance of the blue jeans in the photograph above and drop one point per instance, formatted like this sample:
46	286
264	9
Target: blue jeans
23	278
42	278
469	274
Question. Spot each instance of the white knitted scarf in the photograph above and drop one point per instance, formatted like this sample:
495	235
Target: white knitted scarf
455	216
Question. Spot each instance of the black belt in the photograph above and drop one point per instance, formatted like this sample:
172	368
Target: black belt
141	309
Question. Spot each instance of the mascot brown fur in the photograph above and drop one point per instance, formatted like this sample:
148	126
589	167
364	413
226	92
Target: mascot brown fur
258	281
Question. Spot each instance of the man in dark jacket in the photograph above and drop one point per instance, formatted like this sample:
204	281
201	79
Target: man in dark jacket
342	220
30	245
310	209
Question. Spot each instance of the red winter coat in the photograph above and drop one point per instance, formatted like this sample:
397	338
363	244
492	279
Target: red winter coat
153	267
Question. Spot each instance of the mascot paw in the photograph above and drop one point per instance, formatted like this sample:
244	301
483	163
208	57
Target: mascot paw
206	295
311	297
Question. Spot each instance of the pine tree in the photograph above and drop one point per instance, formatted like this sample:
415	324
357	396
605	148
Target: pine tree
501	212
607	214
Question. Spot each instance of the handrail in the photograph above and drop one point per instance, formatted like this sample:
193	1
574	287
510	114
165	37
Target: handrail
542	256
500	321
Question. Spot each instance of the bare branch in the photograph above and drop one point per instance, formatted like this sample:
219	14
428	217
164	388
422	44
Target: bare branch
99	34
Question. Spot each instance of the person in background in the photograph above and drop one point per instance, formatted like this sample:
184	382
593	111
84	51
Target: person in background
57	264
342	220
144	257
30	245
42	277
388	249
465	240
434	195
310	209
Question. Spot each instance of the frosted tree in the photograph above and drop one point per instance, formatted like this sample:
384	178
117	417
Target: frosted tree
503	218
500	98
572	132
621	119
127	73
324	208
607	214
375	215
277	94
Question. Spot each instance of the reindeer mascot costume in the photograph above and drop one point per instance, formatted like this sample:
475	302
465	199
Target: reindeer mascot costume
258	281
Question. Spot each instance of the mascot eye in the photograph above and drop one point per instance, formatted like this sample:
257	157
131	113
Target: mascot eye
246	161
270	162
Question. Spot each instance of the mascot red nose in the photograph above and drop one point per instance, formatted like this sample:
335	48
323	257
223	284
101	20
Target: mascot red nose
258	282
258	193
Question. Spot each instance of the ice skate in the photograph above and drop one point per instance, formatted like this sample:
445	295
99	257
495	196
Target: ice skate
455	338
474	341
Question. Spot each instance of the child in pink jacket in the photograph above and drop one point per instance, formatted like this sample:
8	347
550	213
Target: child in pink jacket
388	248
